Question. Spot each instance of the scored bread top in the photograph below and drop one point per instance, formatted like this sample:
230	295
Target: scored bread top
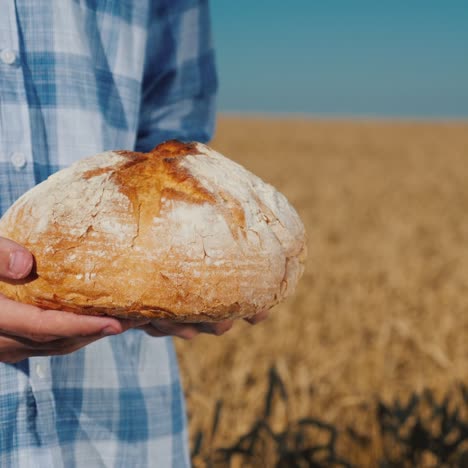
180	232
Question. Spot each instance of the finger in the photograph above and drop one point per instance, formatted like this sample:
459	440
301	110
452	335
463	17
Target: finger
259	317
181	330
44	325
152	331
127	324
218	328
66	346
19	344
13	357
15	261
14	350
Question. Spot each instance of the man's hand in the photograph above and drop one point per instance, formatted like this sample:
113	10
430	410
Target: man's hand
188	331
27	331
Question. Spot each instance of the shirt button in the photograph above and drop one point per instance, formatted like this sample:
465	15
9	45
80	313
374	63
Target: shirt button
18	160
40	371
8	56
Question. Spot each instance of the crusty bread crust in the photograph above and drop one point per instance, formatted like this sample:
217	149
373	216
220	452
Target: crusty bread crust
181	233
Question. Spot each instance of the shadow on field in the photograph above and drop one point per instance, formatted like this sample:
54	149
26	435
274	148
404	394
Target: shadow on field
422	432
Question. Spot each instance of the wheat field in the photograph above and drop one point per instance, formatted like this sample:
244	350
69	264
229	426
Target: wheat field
382	309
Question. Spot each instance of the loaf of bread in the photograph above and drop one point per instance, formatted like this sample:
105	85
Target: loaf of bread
181	233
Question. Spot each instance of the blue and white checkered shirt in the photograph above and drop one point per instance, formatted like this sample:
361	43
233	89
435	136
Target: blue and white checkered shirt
78	77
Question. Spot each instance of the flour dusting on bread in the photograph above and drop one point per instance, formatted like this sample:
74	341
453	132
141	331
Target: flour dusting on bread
181	232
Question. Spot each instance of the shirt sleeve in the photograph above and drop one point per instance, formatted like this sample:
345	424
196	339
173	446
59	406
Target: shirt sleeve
180	80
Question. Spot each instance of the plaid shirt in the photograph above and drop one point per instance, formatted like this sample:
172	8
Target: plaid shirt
78	77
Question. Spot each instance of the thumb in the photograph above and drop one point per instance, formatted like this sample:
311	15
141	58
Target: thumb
15	261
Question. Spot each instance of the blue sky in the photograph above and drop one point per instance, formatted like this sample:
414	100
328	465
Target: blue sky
343	57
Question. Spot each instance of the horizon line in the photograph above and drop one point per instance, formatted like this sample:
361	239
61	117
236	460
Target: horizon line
344	116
